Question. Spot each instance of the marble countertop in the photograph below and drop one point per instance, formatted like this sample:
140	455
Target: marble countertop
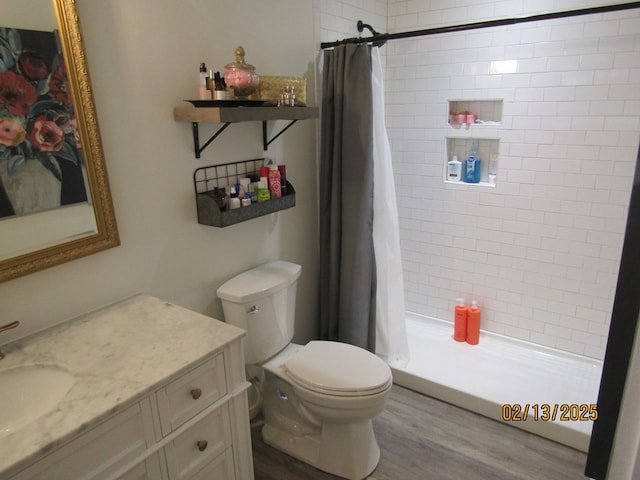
118	355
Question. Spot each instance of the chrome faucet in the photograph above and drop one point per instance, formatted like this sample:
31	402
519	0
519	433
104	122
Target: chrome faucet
8	326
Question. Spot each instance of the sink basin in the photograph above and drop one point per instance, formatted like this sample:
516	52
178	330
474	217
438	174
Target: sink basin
28	392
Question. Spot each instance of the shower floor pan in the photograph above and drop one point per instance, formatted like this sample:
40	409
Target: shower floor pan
504	371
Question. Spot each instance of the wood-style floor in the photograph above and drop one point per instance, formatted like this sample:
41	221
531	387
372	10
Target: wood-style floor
422	438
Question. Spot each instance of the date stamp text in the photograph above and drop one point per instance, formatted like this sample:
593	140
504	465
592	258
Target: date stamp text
544	412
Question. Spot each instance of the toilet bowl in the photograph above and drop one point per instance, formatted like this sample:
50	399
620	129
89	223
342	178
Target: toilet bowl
319	399
323	418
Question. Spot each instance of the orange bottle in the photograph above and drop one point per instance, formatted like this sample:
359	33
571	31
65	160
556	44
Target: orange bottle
473	324
460	321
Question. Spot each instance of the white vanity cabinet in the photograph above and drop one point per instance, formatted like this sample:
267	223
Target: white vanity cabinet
101	452
193	425
153	468
196	412
182	431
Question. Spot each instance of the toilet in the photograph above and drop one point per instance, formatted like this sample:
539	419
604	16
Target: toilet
319	398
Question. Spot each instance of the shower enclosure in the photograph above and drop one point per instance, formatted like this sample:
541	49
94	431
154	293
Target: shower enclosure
538	244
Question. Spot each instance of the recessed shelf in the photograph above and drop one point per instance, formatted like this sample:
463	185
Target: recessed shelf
481	184
474	112
488	151
229	115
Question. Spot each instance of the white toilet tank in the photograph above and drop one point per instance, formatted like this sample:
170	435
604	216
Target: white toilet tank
262	301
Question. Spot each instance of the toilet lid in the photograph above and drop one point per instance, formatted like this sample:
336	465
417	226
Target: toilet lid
259	282
336	368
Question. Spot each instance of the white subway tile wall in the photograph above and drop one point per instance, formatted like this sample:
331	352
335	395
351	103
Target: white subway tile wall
541	250
337	19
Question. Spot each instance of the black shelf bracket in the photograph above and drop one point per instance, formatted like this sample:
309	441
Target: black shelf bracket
196	137
265	142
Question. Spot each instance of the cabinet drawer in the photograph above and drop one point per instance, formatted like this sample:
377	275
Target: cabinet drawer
221	468
99	453
191	393
199	444
150	469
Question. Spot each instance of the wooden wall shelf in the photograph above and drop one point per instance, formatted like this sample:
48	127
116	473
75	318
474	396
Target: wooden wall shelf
228	115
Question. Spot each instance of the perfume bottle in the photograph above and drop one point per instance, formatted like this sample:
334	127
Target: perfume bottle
203	93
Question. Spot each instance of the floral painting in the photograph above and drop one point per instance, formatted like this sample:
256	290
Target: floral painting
41	161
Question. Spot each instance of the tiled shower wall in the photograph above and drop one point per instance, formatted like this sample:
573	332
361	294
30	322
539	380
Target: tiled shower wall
337	19
541	250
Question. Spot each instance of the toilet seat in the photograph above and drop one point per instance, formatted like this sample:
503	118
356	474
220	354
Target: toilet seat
338	369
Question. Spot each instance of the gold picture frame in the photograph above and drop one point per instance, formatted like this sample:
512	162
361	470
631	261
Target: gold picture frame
105	234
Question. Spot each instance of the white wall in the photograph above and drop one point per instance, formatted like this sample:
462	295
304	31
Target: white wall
540	251
143	60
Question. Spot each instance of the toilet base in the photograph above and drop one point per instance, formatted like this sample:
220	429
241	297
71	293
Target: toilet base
348	450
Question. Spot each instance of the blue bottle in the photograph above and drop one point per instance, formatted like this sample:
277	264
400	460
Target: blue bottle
472	167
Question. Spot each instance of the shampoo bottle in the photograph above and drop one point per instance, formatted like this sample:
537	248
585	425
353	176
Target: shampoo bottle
472	167
454	170
460	322
473	324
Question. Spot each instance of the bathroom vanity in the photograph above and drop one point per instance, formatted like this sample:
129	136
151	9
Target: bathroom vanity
150	390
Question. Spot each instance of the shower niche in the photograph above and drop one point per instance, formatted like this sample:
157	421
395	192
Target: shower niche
487	151
472	113
475	125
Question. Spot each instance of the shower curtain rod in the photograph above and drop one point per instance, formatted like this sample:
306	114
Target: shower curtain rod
379	39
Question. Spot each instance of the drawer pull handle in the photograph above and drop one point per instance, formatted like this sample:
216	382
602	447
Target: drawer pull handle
202	445
196	393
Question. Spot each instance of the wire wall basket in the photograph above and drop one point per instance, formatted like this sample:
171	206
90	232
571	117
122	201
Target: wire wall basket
207	179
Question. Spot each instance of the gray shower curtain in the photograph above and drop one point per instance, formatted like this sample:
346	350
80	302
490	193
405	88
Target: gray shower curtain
347	262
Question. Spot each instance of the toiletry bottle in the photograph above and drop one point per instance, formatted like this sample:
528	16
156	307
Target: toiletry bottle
460	322
477	171
472	167
493	168
263	190
473	324
283	179
254	186
244	187
454	169
203	93
219	87
252	190
234	201
274	181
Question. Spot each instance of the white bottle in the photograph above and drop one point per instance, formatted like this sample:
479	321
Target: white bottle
454	170
234	201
